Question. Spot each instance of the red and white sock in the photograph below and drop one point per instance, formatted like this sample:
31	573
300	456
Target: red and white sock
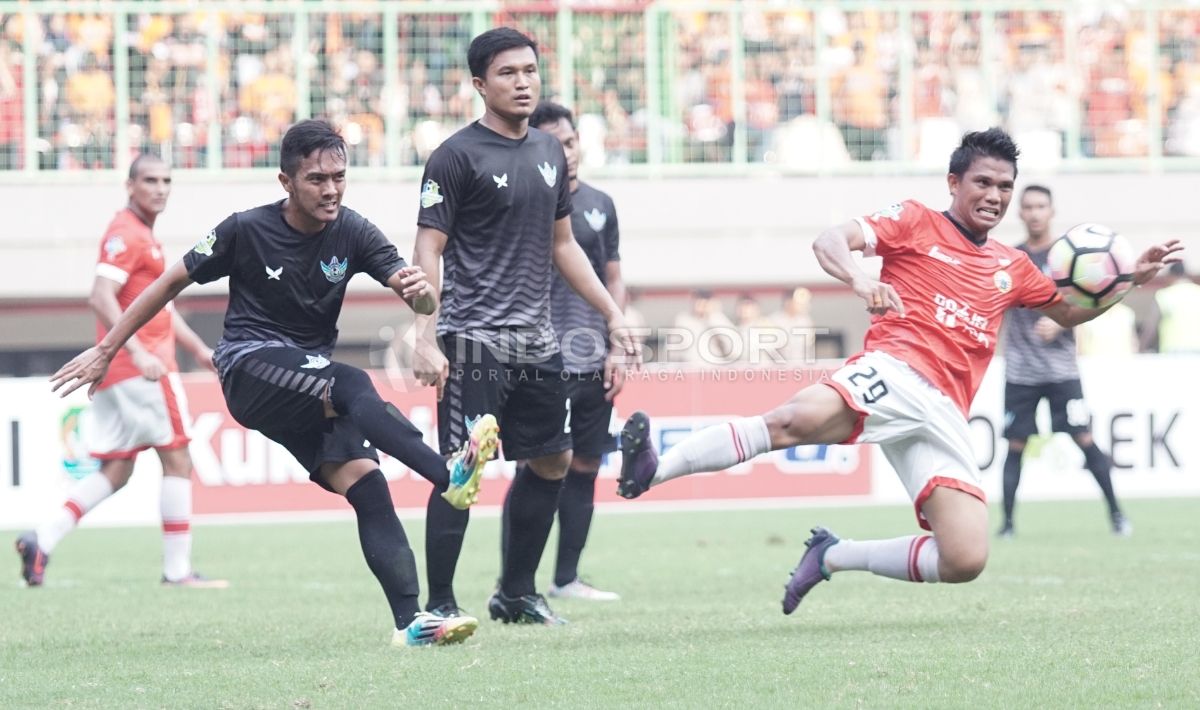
177	527
85	495
913	558
715	448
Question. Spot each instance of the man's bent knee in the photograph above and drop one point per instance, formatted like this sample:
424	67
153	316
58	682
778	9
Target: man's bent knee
961	566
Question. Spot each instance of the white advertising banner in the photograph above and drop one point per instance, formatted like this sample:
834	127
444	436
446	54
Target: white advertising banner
1142	409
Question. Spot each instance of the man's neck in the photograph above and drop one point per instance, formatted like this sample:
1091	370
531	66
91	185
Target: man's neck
573	186
505	127
296	221
146	217
1038	243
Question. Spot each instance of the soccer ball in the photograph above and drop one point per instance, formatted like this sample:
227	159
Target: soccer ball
1092	265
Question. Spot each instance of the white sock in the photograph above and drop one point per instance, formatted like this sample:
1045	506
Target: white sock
715	448
913	558
177	528
84	496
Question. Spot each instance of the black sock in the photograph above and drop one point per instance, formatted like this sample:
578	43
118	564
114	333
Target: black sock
1101	468
576	503
445	527
385	546
1012	478
353	395
529	515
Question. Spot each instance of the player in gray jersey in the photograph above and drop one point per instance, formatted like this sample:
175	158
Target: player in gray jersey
496	211
1040	363
288	264
583	340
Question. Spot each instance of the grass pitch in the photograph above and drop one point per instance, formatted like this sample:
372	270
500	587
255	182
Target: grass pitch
1066	615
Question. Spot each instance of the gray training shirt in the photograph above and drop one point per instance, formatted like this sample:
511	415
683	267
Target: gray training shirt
1029	360
497	200
582	331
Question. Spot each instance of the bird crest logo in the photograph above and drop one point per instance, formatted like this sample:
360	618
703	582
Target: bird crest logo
549	173
335	271
596	219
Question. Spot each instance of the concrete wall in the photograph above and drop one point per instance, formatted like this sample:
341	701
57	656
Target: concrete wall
676	232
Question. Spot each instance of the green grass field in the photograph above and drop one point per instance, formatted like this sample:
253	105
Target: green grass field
1065	616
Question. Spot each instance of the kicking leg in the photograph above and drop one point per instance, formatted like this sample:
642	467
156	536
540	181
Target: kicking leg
816	415
387	552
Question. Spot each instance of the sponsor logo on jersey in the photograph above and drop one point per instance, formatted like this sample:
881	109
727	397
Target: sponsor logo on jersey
892	212
501	180
596	219
273	274
431	194
114	246
315	362
549	173
942	256
953	314
334	271
205	245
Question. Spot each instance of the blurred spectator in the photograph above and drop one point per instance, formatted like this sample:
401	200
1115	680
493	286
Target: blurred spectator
1175	318
860	106
1113	334
12	104
761	340
795	320
705	333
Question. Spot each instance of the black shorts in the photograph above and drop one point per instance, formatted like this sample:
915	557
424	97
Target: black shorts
590	415
271	391
528	400
1068	411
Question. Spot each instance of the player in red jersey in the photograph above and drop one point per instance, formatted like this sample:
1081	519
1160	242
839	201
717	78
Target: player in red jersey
140	404
935	312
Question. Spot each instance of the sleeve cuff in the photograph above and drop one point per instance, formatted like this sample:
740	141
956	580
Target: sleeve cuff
112	273
869	235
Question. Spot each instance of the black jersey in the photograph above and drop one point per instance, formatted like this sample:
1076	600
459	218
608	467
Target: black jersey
497	200
286	288
1029	360
581	330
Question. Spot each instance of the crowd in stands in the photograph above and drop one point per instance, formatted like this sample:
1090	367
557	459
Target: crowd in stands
820	85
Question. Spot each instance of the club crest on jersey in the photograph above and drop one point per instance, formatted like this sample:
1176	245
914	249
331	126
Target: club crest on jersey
205	245
431	194
596	219
892	212
335	271
549	173
1003	281
114	246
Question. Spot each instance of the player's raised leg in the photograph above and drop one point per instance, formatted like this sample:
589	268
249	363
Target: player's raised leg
816	415
388	554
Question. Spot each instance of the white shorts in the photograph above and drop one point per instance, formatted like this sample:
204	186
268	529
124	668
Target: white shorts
137	414
920	430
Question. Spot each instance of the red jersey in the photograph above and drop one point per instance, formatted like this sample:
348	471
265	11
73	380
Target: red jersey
954	293
131	256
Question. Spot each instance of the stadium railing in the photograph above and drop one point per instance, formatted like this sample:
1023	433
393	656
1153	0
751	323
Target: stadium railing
660	88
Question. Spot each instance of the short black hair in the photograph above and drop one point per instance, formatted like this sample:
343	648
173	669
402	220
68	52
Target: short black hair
135	168
486	46
302	139
1039	188
550	112
992	143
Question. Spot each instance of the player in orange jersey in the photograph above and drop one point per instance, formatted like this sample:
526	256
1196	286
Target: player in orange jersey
935	312
140	404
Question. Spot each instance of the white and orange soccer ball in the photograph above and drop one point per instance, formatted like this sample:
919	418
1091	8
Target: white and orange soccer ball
1092	265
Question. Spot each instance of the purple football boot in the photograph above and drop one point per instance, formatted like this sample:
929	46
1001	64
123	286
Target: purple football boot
811	569
639	460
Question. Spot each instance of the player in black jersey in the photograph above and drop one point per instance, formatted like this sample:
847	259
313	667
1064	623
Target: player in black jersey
592	381
288	264
496	208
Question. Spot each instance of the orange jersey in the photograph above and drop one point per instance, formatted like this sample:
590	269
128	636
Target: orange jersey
130	256
954	292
